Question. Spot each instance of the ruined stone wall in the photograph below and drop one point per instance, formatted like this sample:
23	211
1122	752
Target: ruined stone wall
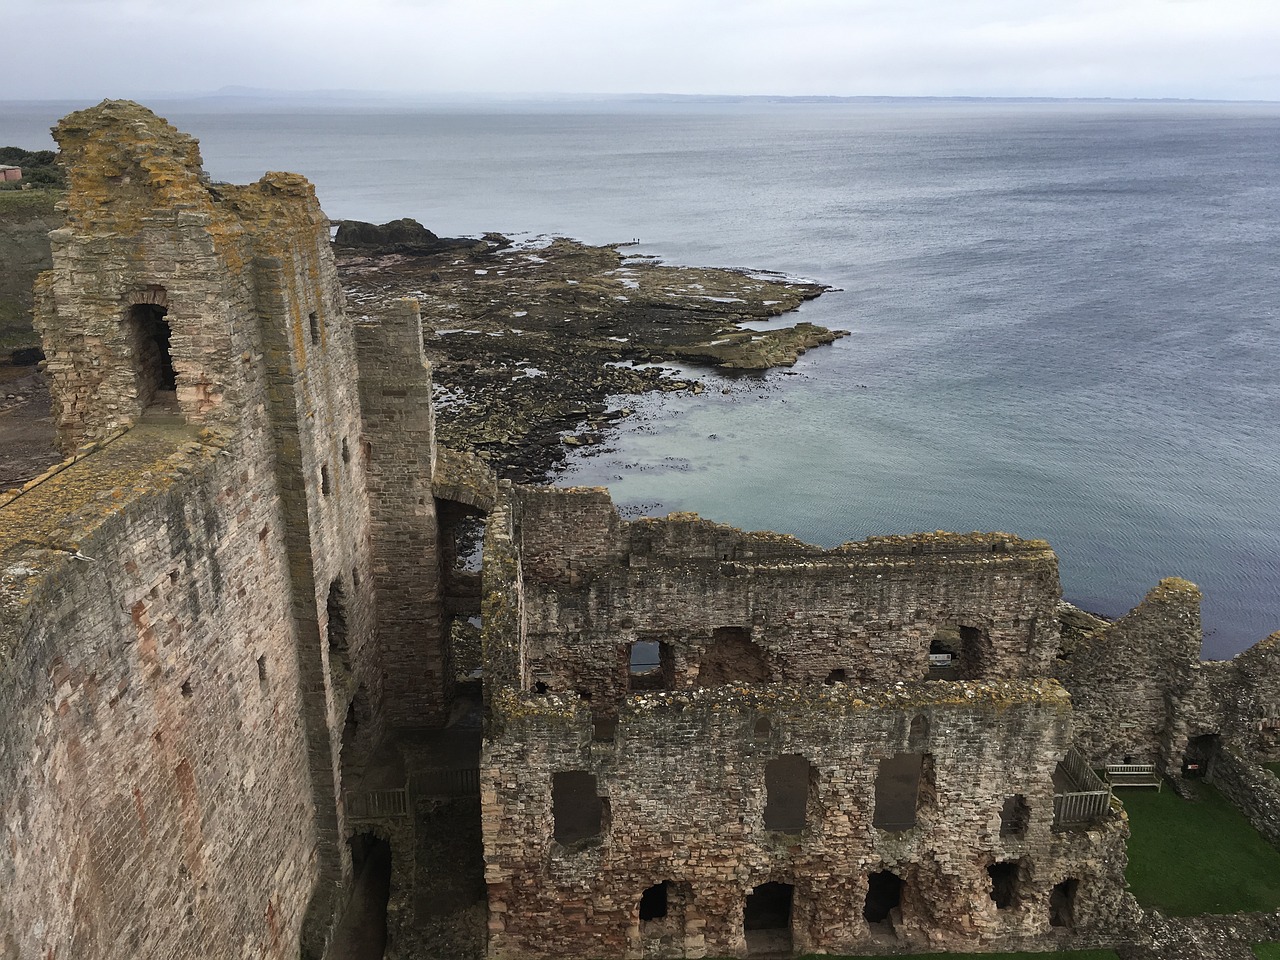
684	786
1240	699
867	612
154	784
1254	790
1132	681
264	360
399	450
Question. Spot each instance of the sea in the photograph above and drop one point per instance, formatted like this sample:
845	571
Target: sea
1063	315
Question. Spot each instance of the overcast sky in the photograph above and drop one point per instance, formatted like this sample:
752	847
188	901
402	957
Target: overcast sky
1211	49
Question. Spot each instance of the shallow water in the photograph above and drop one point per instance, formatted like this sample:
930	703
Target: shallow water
1064	315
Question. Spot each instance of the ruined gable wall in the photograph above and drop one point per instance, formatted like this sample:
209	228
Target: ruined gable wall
1240	699
594	584
145	818
1132	682
684	780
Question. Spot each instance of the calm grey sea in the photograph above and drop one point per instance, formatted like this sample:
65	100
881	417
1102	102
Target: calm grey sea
1064	315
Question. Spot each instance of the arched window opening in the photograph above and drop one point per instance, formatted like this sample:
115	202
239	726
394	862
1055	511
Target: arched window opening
649	666
152	359
653	902
1015	816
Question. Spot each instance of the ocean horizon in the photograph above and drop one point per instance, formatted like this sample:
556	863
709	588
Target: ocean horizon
1063	313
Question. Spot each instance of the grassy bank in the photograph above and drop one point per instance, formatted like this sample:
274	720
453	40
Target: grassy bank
1267	951
24	204
1188	858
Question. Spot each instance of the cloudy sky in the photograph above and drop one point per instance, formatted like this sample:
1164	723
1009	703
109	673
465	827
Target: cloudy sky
1210	49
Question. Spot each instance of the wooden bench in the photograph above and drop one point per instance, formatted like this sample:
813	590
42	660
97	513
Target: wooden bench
1133	775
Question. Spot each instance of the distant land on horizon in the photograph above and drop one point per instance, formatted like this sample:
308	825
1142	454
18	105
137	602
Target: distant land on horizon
242	94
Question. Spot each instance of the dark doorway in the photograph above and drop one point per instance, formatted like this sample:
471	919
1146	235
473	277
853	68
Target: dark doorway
1197	762
1004	885
884	895
362	931
766	920
153	361
1062	904
653	902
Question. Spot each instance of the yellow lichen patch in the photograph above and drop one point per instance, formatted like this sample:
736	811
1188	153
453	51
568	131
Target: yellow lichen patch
61	509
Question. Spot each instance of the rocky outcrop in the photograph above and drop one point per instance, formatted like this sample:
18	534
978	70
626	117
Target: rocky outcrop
405	236
528	342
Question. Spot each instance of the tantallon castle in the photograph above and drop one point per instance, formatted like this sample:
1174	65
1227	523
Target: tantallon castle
241	672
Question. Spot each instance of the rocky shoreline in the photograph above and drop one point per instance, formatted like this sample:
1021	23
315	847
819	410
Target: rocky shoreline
535	345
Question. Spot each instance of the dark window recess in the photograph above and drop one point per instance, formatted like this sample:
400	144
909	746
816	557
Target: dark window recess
1004	885
324	479
576	807
787	783
1015	816
763	728
336	608
262	668
653	902
919	732
837	676
186	688
731	657
604	729
313	321
346	451
1062	903
884	895
897	791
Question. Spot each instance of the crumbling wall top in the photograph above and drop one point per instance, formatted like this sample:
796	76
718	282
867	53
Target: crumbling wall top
123	161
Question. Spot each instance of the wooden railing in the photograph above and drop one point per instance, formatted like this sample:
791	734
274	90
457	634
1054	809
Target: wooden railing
398	801
1090	801
377	804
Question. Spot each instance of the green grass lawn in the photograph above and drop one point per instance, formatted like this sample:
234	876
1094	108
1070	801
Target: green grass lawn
1267	951
1273	767
1190	858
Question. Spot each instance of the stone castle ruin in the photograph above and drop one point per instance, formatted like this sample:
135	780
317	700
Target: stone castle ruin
243	666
